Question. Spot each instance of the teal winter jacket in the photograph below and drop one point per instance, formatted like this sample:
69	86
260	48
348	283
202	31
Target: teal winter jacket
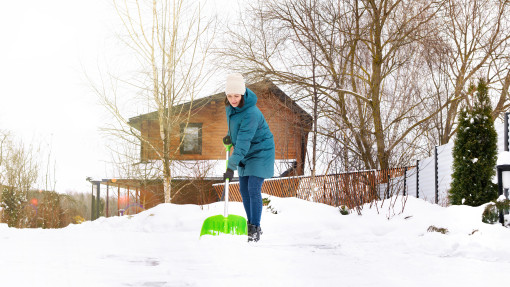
253	142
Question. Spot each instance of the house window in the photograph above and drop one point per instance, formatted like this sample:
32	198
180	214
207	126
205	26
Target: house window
191	138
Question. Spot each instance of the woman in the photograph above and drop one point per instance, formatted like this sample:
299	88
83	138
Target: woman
254	150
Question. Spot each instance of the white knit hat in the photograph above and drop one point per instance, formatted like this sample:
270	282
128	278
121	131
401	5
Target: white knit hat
235	84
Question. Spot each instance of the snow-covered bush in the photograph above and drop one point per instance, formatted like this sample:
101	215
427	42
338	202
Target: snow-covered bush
475	153
13	201
491	212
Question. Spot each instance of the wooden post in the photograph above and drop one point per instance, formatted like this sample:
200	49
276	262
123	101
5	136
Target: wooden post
118	201
107	197
92	205
127	201
98	199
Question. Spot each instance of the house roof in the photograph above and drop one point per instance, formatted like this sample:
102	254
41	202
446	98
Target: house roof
306	119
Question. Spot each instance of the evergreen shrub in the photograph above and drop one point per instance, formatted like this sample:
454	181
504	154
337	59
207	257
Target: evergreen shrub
475	153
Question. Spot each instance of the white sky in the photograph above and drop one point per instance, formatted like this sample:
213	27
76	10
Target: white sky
47	48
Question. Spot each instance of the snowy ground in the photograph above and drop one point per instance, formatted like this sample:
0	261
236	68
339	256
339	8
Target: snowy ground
304	244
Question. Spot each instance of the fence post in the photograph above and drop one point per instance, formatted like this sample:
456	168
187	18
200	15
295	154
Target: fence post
405	180
436	167
417	178
337	188
505	148
387	192
92	205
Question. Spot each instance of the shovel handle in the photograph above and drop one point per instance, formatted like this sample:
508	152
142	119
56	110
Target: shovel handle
225	212
227	152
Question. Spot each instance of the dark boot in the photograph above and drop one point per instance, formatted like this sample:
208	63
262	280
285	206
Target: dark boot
254	233
248	224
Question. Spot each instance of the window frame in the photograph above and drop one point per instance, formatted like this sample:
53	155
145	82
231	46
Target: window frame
198	150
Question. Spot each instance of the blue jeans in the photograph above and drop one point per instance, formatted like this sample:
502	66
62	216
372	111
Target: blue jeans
250	187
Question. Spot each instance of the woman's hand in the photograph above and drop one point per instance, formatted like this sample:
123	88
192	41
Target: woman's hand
229	174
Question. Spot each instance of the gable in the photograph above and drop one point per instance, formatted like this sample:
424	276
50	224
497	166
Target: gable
288	122
258	88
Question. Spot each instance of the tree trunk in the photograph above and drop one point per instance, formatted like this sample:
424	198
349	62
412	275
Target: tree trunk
375	90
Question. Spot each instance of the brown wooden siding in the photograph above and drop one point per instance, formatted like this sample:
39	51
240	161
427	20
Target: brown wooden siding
285	125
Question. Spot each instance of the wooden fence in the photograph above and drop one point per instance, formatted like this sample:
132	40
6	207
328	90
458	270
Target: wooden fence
350	189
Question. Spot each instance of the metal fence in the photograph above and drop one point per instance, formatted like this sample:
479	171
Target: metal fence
429	179
433	174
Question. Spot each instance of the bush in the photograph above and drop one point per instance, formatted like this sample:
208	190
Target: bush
13	202
475	153
343	210
441	230
490	214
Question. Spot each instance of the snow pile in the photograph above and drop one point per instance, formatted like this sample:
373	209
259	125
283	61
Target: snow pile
303	244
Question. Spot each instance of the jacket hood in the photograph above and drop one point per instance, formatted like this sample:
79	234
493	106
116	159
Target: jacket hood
250	99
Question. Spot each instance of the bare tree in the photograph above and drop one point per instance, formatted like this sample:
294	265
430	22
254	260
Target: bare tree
474	39
359	56
4	140
18	173
170	40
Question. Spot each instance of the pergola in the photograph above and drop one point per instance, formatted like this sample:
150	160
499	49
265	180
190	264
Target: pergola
128	194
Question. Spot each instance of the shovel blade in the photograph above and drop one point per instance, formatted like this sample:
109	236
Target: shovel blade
233	224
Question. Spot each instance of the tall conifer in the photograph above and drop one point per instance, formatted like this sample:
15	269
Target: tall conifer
475	153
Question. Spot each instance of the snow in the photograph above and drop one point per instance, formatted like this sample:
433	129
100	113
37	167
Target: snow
503	158
303	244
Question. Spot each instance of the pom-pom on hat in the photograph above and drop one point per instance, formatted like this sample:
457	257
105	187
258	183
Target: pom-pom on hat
235	84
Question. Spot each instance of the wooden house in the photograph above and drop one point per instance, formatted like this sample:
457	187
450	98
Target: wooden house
200	139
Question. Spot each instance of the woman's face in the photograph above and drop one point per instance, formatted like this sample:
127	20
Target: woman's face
234	99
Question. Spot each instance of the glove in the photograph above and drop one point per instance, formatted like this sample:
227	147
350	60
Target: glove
229	174
227	140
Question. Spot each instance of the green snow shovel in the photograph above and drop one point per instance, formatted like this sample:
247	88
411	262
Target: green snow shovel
227	223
